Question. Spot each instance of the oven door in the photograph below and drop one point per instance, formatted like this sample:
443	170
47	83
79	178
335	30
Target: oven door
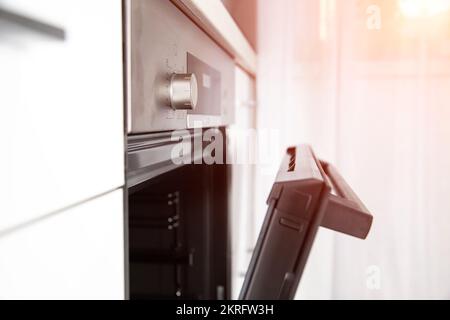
307	193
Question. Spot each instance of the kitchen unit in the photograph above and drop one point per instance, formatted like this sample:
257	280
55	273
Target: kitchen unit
62	159
94	91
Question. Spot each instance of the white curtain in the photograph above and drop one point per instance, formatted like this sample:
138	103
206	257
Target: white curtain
379	108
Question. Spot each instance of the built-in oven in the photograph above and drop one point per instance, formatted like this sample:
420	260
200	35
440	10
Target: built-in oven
180	84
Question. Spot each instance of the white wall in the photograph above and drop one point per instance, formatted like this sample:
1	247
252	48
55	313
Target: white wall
394	149
383	122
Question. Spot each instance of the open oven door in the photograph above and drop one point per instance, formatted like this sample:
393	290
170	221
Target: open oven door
307	193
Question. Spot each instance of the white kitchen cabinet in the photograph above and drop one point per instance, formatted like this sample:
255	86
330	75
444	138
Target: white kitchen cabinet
74	254
61	106
242	147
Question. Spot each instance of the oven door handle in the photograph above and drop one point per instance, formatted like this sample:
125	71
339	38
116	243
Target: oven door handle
345	211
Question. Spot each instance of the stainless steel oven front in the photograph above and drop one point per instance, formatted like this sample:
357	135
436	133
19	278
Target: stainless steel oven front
178	77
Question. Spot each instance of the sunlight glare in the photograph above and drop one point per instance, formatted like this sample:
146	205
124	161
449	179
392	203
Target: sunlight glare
423	8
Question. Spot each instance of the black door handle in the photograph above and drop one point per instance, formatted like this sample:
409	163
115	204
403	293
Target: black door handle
345	211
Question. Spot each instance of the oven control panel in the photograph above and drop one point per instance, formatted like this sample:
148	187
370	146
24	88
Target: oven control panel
177	76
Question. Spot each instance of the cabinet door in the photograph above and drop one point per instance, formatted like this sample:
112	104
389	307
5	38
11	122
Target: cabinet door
75	254
61	104
241	149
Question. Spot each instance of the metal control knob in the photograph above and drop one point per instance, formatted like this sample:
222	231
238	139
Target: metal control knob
183	91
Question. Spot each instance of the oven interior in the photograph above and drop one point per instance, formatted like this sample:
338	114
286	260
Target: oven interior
178	235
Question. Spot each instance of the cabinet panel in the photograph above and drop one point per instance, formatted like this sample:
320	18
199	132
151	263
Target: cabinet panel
241	149
61	105
75	254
